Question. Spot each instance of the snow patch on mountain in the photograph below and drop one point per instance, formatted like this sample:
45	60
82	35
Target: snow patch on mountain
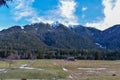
55	24
36	29
22	27
99	45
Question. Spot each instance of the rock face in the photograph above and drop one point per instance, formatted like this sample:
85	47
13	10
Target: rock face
57	35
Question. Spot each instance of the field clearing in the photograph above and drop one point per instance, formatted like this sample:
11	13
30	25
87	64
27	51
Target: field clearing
63	70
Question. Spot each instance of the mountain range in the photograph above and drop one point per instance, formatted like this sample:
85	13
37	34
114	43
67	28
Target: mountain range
57	35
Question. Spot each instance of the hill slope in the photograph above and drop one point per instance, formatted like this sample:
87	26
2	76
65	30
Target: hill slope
41	35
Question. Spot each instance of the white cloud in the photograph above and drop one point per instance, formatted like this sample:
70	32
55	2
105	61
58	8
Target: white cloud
64	12
23	9
84	8
111	15
83	16
67	8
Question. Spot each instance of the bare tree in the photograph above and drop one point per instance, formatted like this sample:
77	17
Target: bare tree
11	58
4	2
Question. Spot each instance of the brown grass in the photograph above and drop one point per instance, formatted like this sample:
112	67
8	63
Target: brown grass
89	70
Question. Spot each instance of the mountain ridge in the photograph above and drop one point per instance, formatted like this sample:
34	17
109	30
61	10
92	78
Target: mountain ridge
39	35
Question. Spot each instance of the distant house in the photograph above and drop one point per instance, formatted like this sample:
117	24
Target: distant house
70	58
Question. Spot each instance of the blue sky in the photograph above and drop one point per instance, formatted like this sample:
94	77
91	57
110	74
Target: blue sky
100	14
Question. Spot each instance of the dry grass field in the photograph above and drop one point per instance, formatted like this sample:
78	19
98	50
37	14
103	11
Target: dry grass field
61	70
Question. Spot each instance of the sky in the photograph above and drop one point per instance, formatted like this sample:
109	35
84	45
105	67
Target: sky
100	14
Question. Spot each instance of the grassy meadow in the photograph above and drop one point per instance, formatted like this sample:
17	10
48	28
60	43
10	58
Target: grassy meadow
61	70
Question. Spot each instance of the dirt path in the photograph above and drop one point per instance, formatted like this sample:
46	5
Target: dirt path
23	66
27	66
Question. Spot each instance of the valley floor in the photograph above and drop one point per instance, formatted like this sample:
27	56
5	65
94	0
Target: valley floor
60	70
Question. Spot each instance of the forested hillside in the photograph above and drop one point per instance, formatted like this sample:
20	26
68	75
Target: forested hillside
59	41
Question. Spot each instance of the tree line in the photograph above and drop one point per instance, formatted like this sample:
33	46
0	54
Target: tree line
55	53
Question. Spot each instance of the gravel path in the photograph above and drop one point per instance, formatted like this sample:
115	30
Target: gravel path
23	66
